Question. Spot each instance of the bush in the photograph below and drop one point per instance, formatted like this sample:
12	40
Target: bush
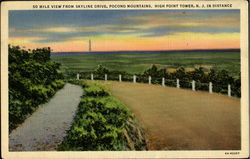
57	84
220	79
95	91
33	79
82	83
99	123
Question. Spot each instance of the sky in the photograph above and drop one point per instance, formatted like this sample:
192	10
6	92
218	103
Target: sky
121	30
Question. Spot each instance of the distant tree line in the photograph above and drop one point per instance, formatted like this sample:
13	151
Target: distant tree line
33	79
220	79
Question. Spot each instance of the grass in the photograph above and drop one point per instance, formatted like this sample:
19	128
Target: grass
139	62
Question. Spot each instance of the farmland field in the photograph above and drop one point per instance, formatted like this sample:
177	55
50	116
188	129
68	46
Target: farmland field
138	62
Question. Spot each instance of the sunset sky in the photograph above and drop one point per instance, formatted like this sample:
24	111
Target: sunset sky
112	30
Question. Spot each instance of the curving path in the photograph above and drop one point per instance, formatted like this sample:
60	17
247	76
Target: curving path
179	119
46	127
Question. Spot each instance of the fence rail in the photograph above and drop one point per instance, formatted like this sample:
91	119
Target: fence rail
164	82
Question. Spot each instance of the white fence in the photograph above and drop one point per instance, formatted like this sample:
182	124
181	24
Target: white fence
210	85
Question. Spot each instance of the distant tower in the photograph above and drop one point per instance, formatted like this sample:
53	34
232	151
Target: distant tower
89	45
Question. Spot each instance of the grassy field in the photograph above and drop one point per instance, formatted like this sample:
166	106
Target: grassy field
178	119
139	62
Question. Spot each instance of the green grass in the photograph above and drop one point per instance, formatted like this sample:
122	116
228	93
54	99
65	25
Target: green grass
138	62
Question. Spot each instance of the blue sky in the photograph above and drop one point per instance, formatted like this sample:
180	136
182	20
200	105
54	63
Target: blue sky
60	26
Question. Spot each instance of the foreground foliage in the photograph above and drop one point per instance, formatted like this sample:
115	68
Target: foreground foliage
33	79
102	123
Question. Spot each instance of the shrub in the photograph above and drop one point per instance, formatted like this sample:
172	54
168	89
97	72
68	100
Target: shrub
95	91
33	79
99	123
82	83
220	79
57	84
40	93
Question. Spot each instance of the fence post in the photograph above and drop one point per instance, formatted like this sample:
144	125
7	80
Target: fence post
163	81
134	78
193	85
78	76
149	79
120	78
177	83
229	90
106	77
92	76
210	87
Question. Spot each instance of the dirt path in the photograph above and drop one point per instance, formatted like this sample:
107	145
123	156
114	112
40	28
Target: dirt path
46	127
178	119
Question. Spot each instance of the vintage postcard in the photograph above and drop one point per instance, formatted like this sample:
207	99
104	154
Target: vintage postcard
124	79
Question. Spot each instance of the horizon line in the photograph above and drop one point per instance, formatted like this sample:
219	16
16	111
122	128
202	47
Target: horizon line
148	50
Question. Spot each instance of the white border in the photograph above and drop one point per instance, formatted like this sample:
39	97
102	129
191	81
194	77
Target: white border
242	5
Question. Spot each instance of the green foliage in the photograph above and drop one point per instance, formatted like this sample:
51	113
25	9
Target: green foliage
99	122
33	79
57	84
101	70
153	71
201	76
95	91
41	55
82	83
236	87
220	79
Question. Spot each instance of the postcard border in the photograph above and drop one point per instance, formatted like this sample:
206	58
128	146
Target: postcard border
21	5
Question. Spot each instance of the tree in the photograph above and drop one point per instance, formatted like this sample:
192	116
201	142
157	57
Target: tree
153	71
180	73
41	54
236	87
101	70
212	76
33	79
198	74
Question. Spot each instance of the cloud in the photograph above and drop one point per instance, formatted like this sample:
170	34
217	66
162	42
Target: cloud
179	40
144	24
26	39
154	25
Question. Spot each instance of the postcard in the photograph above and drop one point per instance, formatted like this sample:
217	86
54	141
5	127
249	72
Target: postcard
124	79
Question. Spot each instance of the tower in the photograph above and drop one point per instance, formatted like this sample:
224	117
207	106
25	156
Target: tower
89	45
